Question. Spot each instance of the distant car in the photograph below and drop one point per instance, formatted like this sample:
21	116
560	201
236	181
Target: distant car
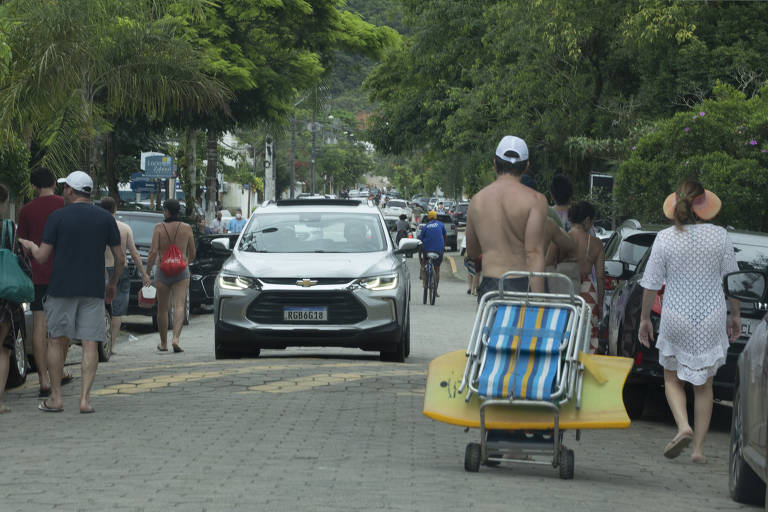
397	207
460	214
314	273
751	254
748	461
450	231
204	269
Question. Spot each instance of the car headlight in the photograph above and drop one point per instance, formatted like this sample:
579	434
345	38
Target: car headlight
232	282
378	283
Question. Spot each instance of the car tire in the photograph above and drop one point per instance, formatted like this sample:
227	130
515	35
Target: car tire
634	399
18	369
407	334
224	350
399	354
744	485
105	349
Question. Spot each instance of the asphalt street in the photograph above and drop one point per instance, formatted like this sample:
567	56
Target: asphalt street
316	430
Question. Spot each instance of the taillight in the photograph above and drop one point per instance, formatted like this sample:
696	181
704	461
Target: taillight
658	302
610	283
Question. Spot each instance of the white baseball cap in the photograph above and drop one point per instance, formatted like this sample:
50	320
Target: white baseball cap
79	181
512	149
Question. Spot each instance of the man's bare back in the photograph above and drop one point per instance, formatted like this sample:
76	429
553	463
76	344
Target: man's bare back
506	223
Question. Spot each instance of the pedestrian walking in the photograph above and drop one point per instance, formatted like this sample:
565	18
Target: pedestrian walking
174	241
691	258
217	225
127	245
590	255
76	236
10	311
507	223
561	192
32	219
236	224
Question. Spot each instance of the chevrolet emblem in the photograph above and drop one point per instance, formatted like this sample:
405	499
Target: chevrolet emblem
306	282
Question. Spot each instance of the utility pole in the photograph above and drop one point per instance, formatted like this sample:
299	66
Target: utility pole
293	156
314	136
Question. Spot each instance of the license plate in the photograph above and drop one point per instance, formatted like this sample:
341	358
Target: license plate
746	328
305	314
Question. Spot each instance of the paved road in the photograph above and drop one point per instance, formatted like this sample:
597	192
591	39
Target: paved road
313	429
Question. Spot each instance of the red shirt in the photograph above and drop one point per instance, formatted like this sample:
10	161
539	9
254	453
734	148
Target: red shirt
32	218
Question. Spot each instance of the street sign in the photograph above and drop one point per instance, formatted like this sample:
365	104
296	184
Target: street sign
140	183
246	186
158	167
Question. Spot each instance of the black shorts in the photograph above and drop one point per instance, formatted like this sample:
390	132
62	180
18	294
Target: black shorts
40	291
489	284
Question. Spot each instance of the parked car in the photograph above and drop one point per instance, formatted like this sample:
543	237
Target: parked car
748	460
397	207
450	231
460	214
21	361
751	254
204	269
314	273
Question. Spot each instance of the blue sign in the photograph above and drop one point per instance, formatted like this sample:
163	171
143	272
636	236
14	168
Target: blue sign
140	183
158	167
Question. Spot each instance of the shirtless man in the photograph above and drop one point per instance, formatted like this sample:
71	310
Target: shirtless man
171	230
507	223
120	302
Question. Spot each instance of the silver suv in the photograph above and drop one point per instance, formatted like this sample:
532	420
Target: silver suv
314	273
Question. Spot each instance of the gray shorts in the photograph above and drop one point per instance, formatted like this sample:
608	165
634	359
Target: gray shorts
120	302
76	318
169	280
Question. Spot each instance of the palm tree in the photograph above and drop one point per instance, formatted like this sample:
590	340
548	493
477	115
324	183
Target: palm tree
79	65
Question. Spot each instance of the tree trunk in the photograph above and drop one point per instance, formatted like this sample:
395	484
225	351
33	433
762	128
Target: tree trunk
211	193
190	157
109	167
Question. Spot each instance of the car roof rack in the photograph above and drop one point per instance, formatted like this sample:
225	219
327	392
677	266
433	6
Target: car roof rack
318	202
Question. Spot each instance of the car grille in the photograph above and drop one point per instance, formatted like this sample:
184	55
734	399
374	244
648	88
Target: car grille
320	280
343	307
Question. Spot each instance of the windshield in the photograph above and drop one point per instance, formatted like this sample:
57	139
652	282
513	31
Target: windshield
142	227
314	232
751	257
396	204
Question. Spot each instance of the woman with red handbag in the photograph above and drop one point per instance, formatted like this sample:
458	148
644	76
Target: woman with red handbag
175	242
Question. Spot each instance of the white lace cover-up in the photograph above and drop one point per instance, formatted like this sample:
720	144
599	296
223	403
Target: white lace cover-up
692	339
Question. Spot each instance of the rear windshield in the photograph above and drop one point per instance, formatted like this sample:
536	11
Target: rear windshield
142	227
751	257
313	232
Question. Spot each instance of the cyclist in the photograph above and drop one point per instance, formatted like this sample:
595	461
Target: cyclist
433	239
401	227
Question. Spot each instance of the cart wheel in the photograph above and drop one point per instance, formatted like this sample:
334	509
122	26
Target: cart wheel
472	457
566	464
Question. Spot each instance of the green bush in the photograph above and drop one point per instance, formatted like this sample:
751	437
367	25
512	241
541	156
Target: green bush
723	142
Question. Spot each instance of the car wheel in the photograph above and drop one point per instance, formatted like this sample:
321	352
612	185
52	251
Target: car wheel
407	335
17	372
399	354
743	483
224	350
634	399
105	349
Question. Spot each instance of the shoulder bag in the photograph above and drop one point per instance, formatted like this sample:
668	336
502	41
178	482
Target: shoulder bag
15	286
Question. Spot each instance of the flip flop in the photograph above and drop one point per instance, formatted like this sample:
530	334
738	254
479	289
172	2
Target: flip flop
90	410
67	379
676	446
43	406
161	349
177	349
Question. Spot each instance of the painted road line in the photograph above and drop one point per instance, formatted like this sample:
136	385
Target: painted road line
453	264
322	379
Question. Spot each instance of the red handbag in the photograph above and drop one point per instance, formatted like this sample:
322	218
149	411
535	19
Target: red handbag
172	263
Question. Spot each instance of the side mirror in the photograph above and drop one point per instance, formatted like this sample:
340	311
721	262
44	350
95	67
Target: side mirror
617	269
747	286
408	246
221	246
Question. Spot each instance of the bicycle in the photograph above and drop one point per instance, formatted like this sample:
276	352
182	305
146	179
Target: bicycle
430	278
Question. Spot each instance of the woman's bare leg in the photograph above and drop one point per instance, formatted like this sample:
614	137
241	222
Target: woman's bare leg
702	413
163	301
675	391
179	307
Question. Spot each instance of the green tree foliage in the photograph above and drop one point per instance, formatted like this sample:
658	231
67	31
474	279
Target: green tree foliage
569	76
723	142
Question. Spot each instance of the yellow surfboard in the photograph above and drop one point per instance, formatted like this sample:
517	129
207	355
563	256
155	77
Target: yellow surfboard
602	406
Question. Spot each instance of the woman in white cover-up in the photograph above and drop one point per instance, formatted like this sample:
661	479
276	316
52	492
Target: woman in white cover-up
691	258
